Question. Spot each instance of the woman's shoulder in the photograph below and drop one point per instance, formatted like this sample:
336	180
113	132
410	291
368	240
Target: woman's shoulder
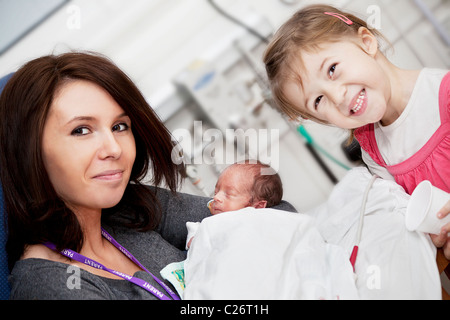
40	251
35	278
39	278
39	261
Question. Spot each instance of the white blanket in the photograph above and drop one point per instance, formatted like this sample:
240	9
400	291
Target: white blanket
392	263
269	254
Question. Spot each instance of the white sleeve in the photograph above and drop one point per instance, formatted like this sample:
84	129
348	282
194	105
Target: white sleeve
376	169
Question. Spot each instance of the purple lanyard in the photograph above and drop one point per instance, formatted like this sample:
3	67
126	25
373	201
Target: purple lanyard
141	283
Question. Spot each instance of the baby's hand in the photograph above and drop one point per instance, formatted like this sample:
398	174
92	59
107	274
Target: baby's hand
442	240
189	243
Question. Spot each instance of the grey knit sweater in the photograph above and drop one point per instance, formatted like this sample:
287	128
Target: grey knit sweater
33	279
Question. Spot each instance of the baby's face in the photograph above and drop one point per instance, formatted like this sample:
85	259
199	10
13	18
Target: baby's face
232	191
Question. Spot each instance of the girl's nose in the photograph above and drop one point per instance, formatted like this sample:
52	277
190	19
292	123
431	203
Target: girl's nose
337	94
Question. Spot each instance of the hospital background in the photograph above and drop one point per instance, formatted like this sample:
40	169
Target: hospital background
195	61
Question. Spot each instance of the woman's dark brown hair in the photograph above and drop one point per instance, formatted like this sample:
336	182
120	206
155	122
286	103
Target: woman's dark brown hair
35	212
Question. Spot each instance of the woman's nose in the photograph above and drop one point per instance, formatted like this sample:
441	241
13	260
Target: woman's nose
110	147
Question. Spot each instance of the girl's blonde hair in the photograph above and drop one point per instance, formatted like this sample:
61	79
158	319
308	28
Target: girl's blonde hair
307	30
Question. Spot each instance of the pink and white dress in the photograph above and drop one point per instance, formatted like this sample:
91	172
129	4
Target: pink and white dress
416	146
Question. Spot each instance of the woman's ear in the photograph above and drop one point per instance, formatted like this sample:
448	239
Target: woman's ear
368	41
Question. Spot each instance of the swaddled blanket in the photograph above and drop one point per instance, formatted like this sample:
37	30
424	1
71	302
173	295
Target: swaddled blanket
269	254
392	262
265	254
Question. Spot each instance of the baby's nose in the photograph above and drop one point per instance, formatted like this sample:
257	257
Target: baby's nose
218	197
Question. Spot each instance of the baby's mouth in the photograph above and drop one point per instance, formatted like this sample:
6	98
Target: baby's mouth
359	102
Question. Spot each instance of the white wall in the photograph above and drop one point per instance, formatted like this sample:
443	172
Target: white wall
153	40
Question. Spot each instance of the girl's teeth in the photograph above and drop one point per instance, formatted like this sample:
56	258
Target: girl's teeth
359	102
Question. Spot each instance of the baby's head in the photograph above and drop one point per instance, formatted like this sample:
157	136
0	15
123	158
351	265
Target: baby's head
248	184
303	77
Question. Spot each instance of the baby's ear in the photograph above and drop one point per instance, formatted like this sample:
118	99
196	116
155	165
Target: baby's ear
260	204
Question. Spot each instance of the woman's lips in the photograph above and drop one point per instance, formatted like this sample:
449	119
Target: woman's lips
110	175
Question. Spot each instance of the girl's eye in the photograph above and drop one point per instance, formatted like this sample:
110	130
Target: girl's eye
317	102
120	127
80	131
332	70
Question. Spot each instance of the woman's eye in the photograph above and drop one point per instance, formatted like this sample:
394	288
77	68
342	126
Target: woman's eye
120	127
332	70
317	102
80	131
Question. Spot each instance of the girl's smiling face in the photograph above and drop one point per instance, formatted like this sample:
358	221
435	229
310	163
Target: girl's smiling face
342	83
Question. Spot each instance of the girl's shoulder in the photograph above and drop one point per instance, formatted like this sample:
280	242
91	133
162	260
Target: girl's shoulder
436	76
434	72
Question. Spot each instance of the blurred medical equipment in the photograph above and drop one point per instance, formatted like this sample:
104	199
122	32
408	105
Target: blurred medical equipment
312	145
232	92
436	24
238	22
195	179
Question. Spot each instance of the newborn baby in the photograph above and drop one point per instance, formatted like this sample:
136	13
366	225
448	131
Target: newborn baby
241	185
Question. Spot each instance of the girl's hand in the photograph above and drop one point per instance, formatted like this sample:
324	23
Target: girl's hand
442	240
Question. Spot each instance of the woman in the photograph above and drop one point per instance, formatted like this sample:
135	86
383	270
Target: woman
77	137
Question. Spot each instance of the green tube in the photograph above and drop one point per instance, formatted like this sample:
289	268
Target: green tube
302	130
305	134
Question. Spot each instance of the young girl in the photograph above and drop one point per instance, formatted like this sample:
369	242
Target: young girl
326	65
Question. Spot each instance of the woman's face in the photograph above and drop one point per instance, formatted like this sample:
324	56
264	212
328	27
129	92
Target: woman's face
88	146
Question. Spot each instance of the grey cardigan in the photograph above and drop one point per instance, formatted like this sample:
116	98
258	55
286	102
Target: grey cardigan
33	279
